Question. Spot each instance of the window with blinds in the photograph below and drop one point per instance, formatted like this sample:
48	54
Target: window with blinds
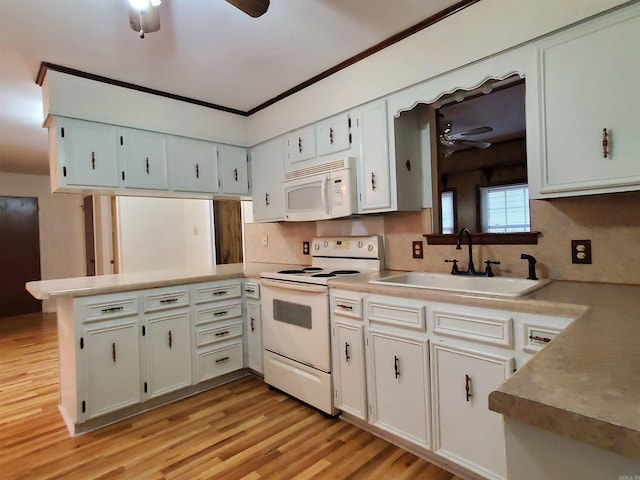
505	209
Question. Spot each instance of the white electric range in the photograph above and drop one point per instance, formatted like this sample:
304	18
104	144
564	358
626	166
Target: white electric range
296	321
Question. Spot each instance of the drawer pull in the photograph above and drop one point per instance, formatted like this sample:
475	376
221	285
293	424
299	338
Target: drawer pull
249	290
113	351
221	292
467	387
252	325
217	314
396	366
536	338
346	307
112	309
170	339
347	357
223	359
169	300
605	143
222	334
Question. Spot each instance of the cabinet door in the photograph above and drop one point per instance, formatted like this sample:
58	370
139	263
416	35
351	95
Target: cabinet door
145	159
465	430
235	174
349	372
373	146
589	84
399	387
333	134
90	153
301	146
266	175
112	366
168	353
254	336
194	165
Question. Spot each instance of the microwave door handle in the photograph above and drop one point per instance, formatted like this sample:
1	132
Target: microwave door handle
325	194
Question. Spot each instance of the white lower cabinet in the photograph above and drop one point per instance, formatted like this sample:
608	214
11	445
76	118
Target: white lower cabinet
253	328
420	373
118	351
400	386
349	372
168	352
465	430
218	329
111	360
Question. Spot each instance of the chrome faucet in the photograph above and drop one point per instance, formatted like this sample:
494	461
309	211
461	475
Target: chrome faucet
471	269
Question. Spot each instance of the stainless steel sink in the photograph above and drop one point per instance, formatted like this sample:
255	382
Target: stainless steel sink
503	286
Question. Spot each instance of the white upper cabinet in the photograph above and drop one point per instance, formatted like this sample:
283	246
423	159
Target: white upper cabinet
144	159
234	169
333	134
589	91
371	140
83	154
300	146
266	178
194	165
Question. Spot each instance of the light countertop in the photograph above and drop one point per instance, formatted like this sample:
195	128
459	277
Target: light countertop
123	282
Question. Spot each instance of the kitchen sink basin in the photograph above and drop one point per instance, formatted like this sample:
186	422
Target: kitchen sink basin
504	286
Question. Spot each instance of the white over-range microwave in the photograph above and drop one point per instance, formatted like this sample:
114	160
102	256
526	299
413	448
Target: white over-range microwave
321	192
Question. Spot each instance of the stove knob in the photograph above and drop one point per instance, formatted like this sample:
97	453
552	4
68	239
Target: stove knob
360	243
325	244
370	247
316	246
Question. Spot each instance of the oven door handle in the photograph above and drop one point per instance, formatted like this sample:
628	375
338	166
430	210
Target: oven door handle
294	286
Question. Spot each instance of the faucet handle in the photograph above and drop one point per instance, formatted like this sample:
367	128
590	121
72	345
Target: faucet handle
454	269
488	271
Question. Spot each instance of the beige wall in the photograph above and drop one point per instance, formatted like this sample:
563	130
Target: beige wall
62	249
611	222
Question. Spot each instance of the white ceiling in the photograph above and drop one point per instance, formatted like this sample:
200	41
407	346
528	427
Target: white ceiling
206	49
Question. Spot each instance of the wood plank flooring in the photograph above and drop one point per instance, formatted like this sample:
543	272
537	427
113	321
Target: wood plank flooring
238	431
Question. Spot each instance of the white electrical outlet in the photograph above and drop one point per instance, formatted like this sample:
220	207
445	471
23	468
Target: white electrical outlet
265	240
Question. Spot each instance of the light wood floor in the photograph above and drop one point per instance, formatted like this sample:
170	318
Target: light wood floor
239	431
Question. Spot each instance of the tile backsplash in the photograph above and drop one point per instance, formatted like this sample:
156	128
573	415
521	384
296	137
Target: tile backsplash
611	222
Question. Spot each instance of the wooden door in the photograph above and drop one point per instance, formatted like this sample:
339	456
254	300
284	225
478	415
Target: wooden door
228	231
89	237
19	254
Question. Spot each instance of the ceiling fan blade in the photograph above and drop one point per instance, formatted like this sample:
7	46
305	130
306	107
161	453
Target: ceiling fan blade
253	8
474	144
474	131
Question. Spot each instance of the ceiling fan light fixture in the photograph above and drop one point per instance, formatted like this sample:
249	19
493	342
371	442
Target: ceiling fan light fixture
144	21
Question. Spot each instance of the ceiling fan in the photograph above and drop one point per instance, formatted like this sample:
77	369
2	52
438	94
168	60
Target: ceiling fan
457	141
144	15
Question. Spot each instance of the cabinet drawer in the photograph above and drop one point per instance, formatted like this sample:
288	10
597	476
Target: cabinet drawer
107	306
165	299
396	312
252	290
536	337
218	361
487	327
346	306
219	312
211	292
212	333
